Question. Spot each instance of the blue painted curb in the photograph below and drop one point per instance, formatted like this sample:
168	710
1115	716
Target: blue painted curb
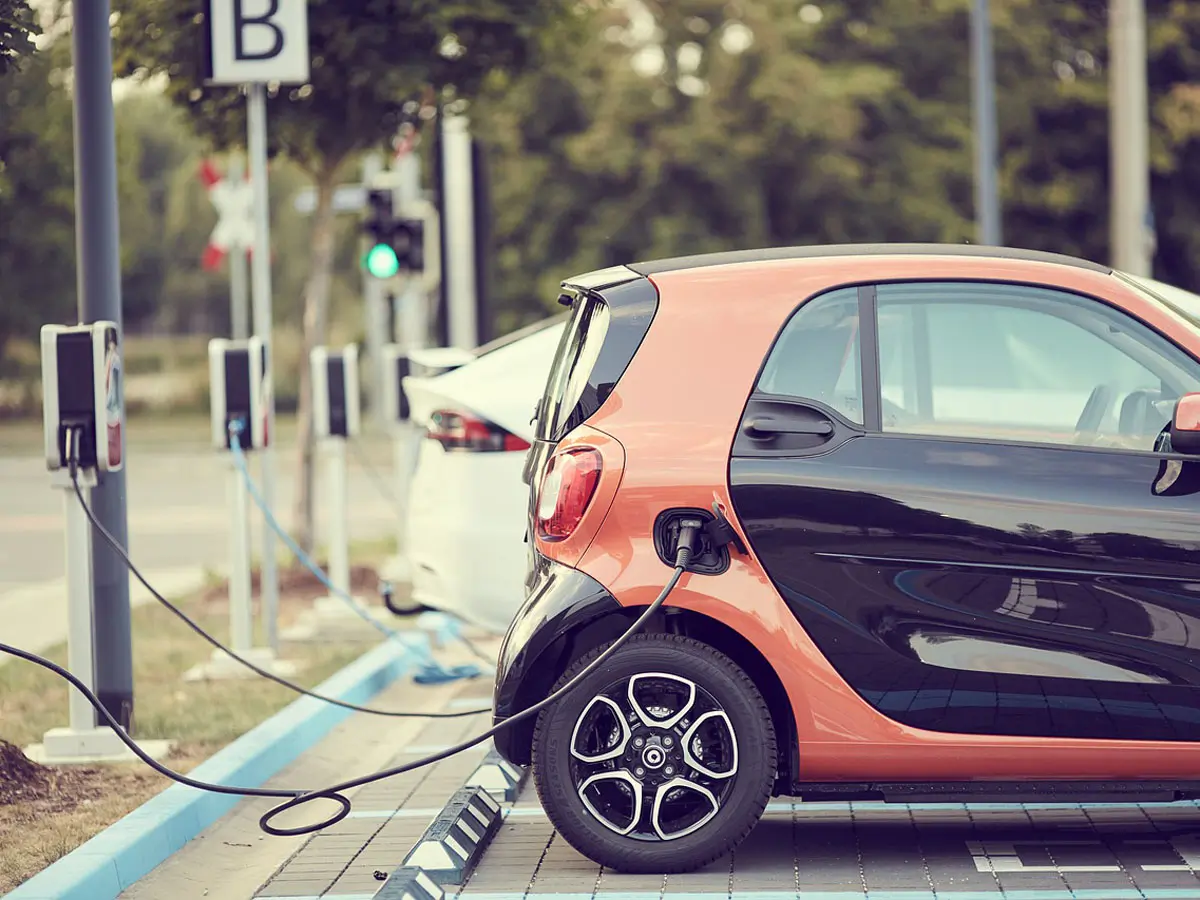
131	848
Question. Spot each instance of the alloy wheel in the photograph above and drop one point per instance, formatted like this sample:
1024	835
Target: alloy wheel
653	757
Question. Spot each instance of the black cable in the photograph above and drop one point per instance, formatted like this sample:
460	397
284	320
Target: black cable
270	676
296	798
688	532
331	792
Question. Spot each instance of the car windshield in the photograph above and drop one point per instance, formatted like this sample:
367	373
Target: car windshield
1176	299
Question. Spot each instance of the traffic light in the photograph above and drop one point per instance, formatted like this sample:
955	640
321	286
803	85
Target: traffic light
396	244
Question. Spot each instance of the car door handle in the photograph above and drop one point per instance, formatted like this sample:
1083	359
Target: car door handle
766	427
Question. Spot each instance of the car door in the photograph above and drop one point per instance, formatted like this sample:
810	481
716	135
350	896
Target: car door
955	488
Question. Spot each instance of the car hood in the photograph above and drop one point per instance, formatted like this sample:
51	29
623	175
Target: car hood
503	386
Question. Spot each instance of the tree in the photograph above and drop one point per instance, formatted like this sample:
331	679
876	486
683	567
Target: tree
18	26
372	60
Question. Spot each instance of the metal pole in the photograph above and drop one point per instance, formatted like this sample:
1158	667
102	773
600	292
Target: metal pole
983	105
410	333
98	280
339	519
1129	137
241	616
458	210
374	300
80	627
261	285
239	312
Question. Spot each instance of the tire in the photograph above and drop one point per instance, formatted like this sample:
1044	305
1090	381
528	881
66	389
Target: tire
685	830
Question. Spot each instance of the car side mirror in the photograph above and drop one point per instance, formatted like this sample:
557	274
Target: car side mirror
1185	425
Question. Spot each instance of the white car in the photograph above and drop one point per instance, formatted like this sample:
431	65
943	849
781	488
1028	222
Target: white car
466	502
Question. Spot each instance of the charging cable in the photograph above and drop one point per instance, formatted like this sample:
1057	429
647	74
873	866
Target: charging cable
688	534
73	470
432	672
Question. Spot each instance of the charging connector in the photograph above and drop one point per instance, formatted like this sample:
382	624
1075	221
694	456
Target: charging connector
688	541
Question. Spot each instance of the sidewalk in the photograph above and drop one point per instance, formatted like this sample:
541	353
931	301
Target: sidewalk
34	617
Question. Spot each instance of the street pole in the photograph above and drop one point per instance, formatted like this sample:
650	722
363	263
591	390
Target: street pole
239	313
98	280
983	108
261	285
1129	137
374	312
458	199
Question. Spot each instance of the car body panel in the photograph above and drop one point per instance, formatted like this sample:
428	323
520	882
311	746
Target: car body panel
677	454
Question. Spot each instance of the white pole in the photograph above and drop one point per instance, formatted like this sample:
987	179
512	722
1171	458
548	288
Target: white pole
410	333
1129	137
239	311
374	311
80	655
339	516
241	617
261	283
458	209
983	102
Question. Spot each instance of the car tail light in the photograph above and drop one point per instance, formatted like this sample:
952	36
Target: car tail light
566	491
455	429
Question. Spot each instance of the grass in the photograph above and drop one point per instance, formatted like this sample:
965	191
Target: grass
201	717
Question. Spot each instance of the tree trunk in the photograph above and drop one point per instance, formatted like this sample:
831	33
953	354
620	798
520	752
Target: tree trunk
316	316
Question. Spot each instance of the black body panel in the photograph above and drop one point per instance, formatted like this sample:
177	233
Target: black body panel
559	602
983	588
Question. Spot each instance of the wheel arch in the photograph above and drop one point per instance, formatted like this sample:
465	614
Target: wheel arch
574	643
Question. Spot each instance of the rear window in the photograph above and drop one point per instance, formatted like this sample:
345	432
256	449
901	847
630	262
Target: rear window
600	340
574	361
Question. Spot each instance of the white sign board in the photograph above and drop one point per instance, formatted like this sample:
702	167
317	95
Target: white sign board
258	41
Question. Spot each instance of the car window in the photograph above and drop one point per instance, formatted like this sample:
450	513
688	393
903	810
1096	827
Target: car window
1016	362
816	357
573	362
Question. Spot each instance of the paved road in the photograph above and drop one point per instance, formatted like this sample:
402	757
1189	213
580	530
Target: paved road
178	511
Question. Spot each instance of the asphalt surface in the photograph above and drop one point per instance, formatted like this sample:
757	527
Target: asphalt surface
178	510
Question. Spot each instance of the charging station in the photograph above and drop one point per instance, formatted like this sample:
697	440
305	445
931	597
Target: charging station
237	403
337	404
83	420
337	418
237	392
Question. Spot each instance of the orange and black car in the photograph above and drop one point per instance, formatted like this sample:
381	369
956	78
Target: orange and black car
951	545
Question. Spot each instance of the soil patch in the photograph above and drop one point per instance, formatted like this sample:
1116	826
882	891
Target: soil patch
298	585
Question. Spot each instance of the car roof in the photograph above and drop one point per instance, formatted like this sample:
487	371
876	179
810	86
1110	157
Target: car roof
823	251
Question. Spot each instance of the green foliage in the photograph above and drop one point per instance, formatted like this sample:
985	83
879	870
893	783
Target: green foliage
18	26
843	120
371	61
37	207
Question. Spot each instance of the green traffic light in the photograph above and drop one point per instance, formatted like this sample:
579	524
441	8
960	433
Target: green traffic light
382	261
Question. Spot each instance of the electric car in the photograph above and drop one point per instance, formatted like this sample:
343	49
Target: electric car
466	512
949	500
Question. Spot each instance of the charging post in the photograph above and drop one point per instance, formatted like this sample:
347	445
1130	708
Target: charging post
83	423
337	414
238	411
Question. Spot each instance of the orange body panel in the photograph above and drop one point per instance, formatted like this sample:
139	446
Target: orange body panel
675	412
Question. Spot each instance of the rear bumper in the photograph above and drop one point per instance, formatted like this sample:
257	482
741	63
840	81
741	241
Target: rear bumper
559	601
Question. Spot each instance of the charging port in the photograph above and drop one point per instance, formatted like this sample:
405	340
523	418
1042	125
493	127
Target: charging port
707	560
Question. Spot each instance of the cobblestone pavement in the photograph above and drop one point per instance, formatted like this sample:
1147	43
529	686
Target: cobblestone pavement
811	851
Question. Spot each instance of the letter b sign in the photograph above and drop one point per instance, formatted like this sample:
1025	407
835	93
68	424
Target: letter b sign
258	41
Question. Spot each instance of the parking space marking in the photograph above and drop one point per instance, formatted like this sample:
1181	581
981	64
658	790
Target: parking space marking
1063	893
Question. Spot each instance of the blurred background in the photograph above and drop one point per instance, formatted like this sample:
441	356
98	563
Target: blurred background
609	132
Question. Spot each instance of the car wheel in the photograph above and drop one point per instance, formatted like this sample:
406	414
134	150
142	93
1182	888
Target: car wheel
661	761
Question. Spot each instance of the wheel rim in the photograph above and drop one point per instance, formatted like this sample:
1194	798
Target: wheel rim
653	757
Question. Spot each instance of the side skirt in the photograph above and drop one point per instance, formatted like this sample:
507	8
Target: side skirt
1003	791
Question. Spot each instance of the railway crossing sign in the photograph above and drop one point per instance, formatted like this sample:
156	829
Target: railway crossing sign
234	201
